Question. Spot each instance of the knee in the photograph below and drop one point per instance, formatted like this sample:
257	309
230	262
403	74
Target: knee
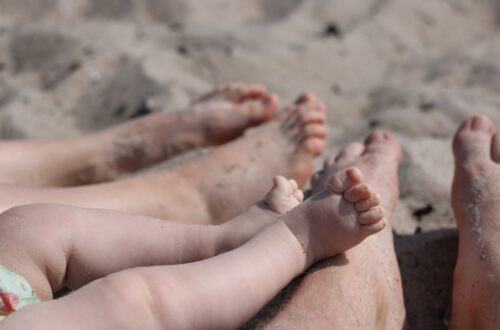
34	229
128	295
15	222
153	300
26	217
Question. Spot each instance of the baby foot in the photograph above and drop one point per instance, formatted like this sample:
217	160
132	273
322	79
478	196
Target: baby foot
232	108
337	218
284	195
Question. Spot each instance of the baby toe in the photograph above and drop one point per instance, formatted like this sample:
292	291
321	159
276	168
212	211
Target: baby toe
299	195
367	204
371	216
358	192
345	180
282	186
367	230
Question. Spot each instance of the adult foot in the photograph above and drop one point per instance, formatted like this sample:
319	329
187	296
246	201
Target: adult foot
214	119
365	282
337	218
241	171
476	204
284	195
230	109
209	189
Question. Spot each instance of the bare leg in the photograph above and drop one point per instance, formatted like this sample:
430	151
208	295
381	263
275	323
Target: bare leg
216	118
208	294
476	203
211	188
362	288
55	245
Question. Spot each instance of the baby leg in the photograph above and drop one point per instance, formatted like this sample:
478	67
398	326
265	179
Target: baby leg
54	245
224	291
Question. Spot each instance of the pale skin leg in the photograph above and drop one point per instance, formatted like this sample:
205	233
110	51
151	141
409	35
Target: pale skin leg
207	294
240	173
360	289
55	245
216	118
476	204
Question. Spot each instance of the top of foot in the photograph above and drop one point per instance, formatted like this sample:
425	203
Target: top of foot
232	108
293	139
378	157
338	217
476	205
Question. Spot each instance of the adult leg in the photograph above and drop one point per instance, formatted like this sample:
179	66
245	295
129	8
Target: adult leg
476	203
216	118
220	292
209	189
362	288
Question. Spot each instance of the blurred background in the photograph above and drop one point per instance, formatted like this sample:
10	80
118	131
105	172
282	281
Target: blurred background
414	67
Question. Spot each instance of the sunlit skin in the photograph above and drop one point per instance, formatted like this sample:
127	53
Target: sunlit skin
97	243
212	188
215	118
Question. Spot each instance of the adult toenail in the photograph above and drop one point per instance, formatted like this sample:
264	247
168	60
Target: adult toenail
376	136
481	123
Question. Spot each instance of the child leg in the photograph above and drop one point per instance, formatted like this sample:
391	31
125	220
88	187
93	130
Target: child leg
224	291
54	245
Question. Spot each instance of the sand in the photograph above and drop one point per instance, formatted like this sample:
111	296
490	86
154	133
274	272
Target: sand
414	67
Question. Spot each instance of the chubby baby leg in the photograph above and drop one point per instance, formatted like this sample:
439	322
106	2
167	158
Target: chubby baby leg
224	291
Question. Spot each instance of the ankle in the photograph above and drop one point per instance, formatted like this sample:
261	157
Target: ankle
302	232
245	226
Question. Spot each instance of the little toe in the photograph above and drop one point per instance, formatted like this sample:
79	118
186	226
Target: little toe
358	192
345	179
368	204
473	140
367	230
371	216
349	154
299	195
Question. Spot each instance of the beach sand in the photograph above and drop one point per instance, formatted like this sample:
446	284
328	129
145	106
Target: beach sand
414	67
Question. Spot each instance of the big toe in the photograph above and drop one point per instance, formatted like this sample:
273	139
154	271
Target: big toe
261	109
473	141
383	146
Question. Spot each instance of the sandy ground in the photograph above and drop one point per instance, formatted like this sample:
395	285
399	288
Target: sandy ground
414	67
